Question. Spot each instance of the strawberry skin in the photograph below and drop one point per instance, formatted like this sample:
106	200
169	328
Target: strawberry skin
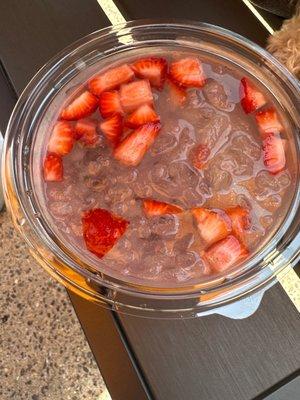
273	153
135	94
111	79
109	104
112	129
53	168
143	115
187	72
268	121
239	217
225	253
153	207
212	225
133	148
251	98
86	131
177	95
101	230
83	106
154	69
62	139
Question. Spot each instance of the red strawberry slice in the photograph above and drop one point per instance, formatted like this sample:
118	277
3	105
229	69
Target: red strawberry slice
240	221
154	69
225	253
153	207
135	94
268	121
62	139
109	104
111	79
112	129
83	106
200	155
251	98
53	168
212	225
273	153
187	72
86	131
141	116
133	148
177	95
101	230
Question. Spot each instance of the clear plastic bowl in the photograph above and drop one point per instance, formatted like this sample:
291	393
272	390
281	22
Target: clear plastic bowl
20	170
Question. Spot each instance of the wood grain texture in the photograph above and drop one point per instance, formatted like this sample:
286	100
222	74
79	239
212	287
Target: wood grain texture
215	358
33	31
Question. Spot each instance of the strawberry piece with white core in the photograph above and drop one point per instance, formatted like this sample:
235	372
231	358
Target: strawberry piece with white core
111	79
135	94
81	107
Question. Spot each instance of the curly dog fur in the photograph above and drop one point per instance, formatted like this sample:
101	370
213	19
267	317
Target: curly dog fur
285	44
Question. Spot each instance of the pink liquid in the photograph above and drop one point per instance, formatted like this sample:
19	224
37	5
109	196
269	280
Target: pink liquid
167	249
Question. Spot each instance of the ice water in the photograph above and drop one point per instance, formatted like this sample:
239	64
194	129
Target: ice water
168	249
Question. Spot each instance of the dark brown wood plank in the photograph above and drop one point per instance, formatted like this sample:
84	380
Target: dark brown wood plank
231	14
109	347
33	31
216	358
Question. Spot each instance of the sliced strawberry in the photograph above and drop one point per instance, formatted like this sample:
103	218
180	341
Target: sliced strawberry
112	129
212	225
225	253
177	94
62	139
135	94
109	104
273	153
101	230
141	116
199	155
53	168
187	72
111	79
240	221
86	131
133	148
83	106
154	69
153	207
268	121
251	98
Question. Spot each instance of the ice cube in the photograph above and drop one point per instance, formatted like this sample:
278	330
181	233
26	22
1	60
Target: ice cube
217	178
60	209
164	225
215	95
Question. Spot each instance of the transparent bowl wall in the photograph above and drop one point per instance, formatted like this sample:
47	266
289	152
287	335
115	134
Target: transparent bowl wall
20	169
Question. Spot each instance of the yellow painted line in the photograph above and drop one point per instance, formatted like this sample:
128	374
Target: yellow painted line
112	12
259	16
290	283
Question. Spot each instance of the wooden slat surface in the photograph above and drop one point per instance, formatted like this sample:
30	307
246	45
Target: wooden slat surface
209	358
216	358
33	31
